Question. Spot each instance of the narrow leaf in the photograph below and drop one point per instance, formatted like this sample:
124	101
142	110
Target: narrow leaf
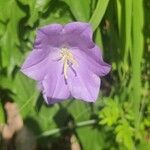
98	13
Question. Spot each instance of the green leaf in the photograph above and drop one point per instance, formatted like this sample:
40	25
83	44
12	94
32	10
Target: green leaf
128	23
60	13
110	113
98	38
119	14
91	138
80	111
124	134
37	7
144	145
45	118
2	115
80	9
9	41
98	13
25	93
138	48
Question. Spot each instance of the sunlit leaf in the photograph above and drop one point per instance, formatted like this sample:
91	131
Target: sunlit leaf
125	134
110	113
9	41
98	13
80	9
36	8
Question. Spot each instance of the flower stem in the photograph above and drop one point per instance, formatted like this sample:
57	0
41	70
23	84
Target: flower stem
57	130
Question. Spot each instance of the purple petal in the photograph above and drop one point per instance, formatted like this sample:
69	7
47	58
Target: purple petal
99	68
50	100
78	34
84	84
38	62
54	85
95	53
49	35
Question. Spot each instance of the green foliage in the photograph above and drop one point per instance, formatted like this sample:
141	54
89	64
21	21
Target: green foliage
98	13
2	118
137	54
36	7
110	113
80	9
124	134
95	138
121	28
10	55
24	92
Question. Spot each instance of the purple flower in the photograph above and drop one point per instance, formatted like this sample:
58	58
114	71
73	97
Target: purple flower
66	63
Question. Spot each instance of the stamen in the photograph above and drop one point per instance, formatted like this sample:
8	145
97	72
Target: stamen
67	57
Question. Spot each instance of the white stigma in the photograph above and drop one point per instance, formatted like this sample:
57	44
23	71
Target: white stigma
67	57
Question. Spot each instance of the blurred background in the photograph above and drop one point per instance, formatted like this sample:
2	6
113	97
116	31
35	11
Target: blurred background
119	120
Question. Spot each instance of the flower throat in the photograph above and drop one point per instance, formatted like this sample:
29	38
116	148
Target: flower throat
68	59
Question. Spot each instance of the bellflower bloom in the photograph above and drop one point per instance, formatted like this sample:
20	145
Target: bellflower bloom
66	63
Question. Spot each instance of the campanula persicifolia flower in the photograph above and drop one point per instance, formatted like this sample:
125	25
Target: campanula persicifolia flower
66	62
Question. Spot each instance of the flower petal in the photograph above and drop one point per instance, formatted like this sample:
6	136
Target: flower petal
50	100
54	84
98	67
47	99
37	63
78	34
84	85
49	35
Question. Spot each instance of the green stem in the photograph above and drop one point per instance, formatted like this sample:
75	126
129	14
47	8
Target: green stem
98	13
137	56
57	130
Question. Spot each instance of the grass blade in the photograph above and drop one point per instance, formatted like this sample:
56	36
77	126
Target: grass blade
137	55
98	13
128	22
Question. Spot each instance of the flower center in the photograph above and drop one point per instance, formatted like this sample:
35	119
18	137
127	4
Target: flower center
68	59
